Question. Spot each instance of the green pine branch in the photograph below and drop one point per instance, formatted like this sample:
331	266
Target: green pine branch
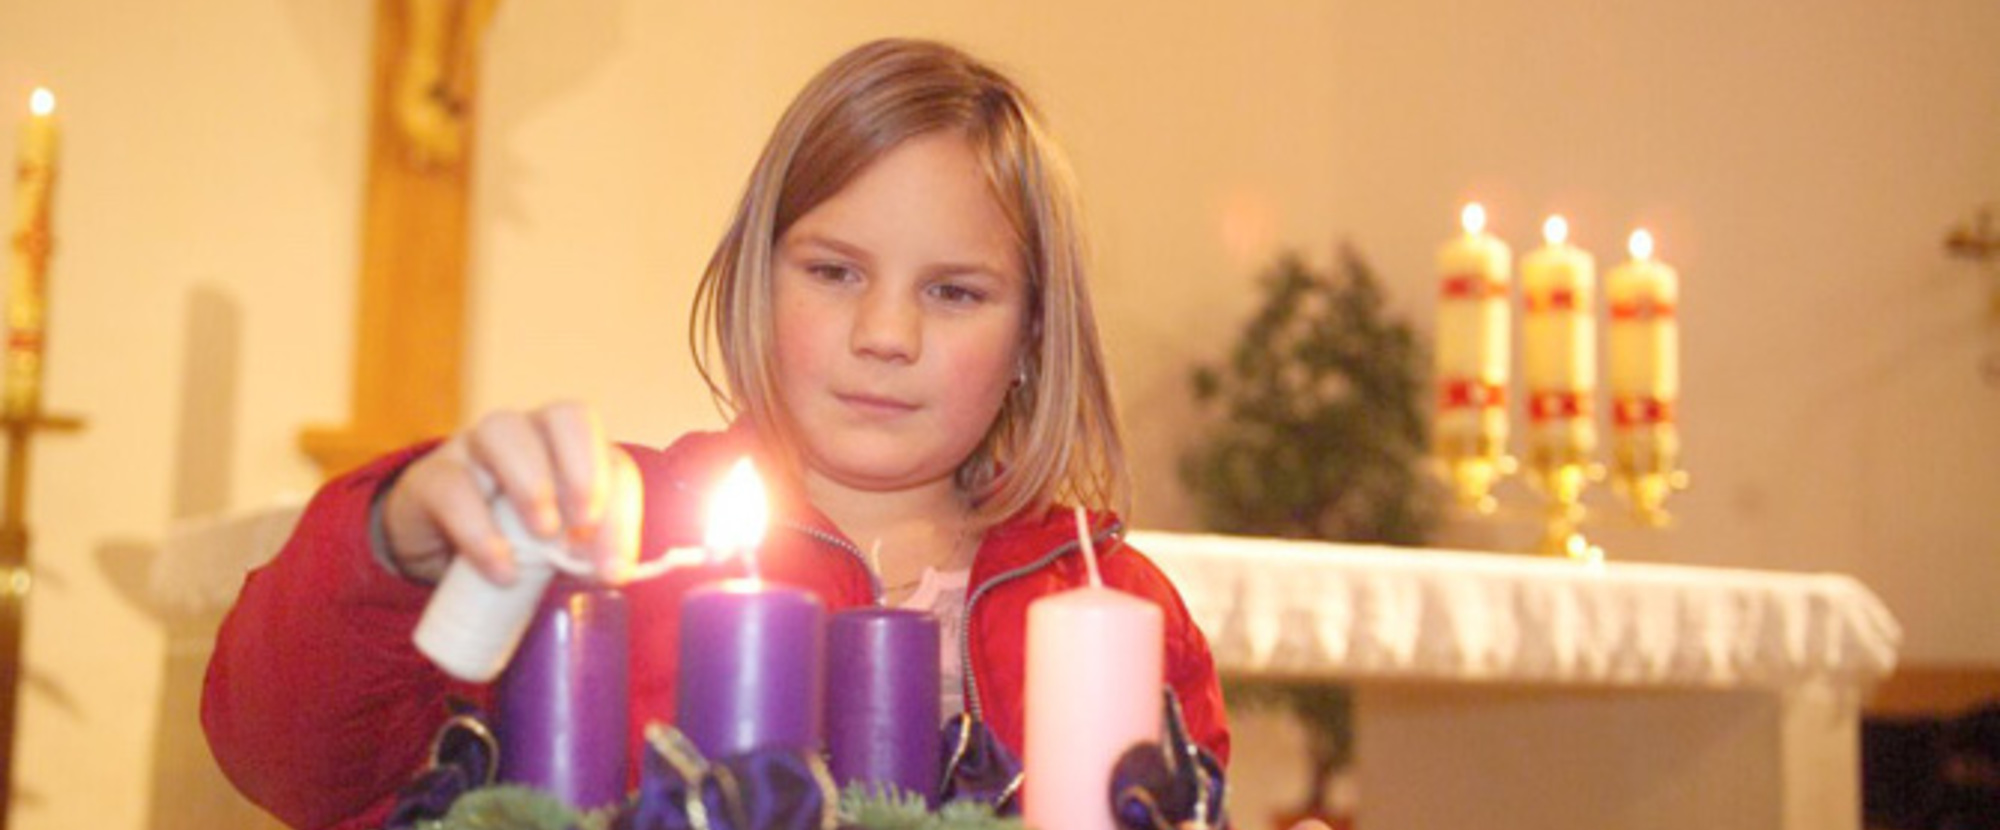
891	809
512	807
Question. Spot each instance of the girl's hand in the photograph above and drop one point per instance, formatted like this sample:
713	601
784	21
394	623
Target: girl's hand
552	464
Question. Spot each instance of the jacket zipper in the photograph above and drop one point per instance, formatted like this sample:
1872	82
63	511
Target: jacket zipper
972	602
874	579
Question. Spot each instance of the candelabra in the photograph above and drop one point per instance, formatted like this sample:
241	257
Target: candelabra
1559	362
21	415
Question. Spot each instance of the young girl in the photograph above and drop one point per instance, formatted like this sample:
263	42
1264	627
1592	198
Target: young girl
907	343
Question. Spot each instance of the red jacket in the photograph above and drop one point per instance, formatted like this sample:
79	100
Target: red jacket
317	706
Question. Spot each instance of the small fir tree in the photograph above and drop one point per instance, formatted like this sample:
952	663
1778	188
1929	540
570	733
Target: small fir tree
1321	431
1318	432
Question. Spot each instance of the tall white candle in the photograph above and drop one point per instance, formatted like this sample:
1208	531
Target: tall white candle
1473	349
1095	669
1643	344
27	299
1559	344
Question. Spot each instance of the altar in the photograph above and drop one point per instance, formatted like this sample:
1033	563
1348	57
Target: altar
1499	691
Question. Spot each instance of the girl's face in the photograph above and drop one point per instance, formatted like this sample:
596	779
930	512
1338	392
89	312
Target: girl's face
899	309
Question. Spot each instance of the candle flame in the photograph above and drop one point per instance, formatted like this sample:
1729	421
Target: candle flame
1640	245
42	102
1472	218
1555	230
738	512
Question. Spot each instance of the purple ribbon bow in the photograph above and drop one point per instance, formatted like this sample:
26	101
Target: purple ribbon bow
766	789
1172	785
464	757
977	767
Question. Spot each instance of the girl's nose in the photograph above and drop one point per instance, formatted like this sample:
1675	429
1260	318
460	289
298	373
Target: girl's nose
887	326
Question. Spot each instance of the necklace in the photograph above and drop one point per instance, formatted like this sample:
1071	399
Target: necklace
963	548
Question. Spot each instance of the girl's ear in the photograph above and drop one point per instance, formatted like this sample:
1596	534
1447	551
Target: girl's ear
1024	355
1031	340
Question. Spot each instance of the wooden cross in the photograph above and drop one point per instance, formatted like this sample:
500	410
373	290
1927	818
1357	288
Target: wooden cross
410	324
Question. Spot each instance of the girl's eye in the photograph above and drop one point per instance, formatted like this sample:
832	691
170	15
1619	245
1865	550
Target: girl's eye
957	294
830	272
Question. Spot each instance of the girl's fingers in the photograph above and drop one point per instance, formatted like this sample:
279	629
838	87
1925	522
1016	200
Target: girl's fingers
553	467
615	546
579	458
437	509
461	510
509	446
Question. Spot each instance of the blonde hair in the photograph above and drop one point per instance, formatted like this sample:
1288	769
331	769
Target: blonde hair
1056	437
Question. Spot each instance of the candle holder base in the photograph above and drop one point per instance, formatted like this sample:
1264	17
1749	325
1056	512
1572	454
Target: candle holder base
1562	482
1647	493
1473	478
1561	538
1473	465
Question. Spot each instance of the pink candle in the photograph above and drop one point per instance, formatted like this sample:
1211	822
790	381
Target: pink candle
1095	667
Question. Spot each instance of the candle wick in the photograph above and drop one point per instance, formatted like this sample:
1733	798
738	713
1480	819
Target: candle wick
1089	550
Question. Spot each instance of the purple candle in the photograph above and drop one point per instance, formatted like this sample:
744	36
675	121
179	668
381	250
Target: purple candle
882	699
750	667
564	700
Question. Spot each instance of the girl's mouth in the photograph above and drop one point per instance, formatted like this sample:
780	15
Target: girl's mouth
875	405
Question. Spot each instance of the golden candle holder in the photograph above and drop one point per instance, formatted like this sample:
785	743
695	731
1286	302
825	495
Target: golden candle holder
1644	473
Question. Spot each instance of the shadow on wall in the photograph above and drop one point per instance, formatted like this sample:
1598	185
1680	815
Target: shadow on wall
186	790
35	684
185	595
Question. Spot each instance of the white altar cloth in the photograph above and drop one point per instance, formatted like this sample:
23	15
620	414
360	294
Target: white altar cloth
1499	692
1318	609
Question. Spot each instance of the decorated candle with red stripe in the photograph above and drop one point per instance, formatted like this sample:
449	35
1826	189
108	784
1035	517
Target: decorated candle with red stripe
1473	340
27	271
1642	356
1559	345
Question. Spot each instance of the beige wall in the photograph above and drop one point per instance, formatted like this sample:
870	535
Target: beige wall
1799	162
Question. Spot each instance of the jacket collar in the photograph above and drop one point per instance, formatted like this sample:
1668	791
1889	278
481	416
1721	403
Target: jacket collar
1033	535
